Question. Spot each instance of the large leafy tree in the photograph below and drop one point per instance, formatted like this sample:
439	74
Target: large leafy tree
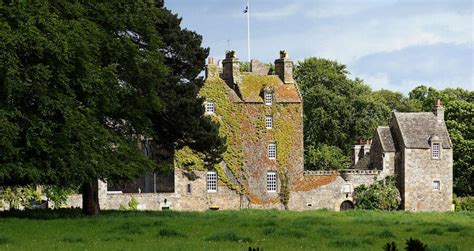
80	81
337	112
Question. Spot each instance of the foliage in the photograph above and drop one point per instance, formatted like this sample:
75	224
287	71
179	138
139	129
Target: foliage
79	81
133	204
327	157
415	245
382	195
342	108
58	195
242	123
18	197
464	203
390	246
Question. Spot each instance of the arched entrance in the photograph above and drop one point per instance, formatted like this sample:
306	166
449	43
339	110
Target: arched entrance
347	205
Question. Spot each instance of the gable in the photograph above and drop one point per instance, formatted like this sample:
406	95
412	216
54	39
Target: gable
416	128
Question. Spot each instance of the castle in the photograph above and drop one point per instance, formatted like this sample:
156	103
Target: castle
260	114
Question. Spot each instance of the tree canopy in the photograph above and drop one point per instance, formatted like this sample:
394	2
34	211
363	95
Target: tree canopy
80	83
337	112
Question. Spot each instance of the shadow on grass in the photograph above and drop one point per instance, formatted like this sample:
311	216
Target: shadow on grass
73	239
228	236
168	232
5	241
43	214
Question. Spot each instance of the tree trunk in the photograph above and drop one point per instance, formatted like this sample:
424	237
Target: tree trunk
90	198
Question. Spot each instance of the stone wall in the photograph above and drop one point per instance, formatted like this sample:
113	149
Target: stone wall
420	170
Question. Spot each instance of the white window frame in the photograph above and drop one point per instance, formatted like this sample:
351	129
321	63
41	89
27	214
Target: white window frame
436	150
436	185
268	122
272	182
210	107
268	98
272	150
347	188
211	178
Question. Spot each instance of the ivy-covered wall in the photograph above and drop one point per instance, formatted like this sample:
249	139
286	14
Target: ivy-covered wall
241	116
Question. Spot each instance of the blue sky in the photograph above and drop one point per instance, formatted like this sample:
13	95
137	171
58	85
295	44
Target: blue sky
394	45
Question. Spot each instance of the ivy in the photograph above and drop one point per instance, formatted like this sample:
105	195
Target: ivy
241	122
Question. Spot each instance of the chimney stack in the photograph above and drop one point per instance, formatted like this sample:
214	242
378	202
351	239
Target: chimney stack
212	70
231	69
438	110
284	68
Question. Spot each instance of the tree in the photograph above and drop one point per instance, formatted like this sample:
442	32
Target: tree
340	107
80	81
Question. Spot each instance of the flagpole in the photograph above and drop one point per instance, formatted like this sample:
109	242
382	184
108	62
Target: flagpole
248	29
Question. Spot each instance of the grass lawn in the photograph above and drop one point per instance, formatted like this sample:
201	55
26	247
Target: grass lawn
233	230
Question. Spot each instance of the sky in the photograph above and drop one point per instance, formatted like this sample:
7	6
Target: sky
390	44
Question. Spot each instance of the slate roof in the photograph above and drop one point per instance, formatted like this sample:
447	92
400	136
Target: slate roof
417	127
386	140
252	85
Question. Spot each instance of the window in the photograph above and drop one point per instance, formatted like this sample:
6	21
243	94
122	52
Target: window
269	122
271	182
272	151
436	185
211	181
210	107
435	151
268	98
347	188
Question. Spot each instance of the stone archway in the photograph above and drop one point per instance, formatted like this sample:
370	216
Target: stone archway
347	205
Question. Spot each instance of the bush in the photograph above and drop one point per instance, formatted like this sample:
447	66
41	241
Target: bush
18	197
464	203
58	195
133	204
383	195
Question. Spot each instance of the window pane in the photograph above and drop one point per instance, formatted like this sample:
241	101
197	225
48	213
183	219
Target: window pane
268	98
268	122
271	182
436	185
435	151
210	107
211	181
272	151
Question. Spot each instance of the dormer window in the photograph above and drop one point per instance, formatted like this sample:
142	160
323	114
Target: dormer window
435	151
268	96
435	147
210	107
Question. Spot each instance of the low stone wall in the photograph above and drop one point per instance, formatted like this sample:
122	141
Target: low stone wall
313	190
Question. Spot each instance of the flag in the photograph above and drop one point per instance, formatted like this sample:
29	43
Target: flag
246	9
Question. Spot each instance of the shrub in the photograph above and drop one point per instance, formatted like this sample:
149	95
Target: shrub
464	203
383	195
17	197
58	195
415	245
133	204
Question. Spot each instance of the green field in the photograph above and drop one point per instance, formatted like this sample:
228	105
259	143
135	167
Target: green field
233	230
